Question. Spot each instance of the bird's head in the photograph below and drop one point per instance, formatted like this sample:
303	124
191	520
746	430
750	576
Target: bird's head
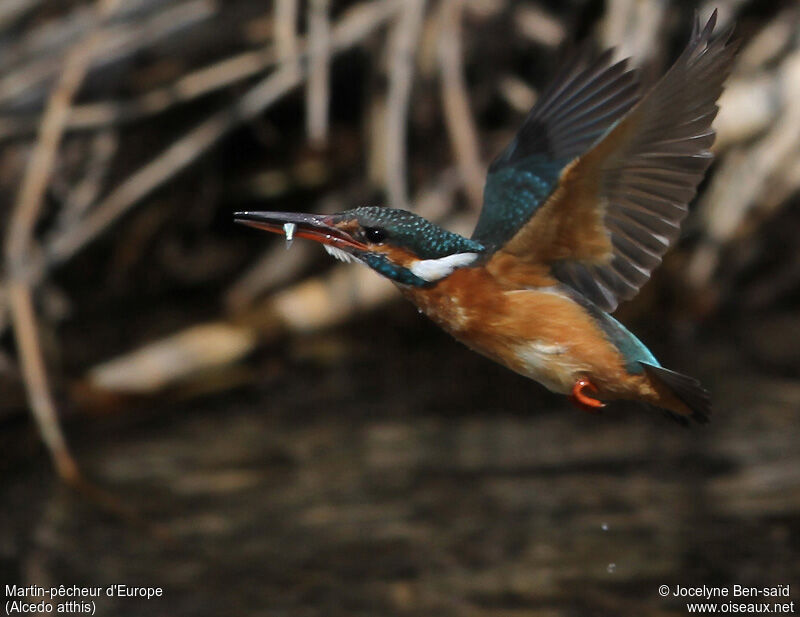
397	244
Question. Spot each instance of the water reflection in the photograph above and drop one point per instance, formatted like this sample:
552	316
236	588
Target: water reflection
413	503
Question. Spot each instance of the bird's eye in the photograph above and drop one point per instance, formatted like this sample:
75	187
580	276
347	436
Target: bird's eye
374	235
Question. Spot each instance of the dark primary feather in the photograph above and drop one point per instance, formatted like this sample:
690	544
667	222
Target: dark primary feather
687	389
596	184
647	169
584	100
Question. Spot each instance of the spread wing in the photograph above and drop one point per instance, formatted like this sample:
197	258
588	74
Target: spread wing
586	97
616	208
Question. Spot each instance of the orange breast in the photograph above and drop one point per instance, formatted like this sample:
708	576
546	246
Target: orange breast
537	331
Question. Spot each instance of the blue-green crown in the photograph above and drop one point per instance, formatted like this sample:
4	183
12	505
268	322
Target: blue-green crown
425	239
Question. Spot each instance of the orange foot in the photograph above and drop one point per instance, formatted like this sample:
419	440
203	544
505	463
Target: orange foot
581	400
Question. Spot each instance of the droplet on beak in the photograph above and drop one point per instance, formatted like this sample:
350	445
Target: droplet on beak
289	229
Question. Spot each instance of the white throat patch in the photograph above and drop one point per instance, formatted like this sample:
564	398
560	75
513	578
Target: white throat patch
339	253
434	269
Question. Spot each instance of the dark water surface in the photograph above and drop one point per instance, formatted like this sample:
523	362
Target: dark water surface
429	483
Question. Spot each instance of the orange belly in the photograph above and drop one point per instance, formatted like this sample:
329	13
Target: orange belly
540	332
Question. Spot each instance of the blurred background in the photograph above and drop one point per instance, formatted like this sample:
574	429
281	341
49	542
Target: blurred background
266	432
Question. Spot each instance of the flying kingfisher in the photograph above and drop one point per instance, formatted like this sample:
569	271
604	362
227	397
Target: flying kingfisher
578	210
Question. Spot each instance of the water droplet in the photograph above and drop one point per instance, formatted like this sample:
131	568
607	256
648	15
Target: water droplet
289	229
611	568
604	526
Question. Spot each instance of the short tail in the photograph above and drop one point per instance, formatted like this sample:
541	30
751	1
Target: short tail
686	389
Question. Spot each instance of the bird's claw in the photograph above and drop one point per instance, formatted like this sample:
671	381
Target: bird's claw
581	400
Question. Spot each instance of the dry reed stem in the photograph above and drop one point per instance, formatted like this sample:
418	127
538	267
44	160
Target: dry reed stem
402	49
20	244
221	74
275	267
287	46
179	155
352	28
536	24
120	41
85	192
314	303
455	101
746	175
631	26
318	92
13	9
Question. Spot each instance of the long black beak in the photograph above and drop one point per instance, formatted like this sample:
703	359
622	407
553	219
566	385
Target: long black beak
317	227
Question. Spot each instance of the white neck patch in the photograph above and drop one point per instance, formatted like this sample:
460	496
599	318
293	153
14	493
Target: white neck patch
339	253
434	269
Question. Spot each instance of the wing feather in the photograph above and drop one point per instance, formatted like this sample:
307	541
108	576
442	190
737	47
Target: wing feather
618	207
586	97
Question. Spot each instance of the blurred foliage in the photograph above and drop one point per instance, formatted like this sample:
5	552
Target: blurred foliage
287	434
191	109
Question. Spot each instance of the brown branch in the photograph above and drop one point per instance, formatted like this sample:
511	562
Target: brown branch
744	178
34	372
12	9
455	100
631	26
195	84
352	28
319	58
518	94
536	24
19	244
314	303
277	266
118	42
286	40
86	190
402	47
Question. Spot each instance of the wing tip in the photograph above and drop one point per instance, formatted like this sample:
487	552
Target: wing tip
706	31
703	37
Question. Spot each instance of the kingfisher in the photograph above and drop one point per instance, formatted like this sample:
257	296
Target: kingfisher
577	211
